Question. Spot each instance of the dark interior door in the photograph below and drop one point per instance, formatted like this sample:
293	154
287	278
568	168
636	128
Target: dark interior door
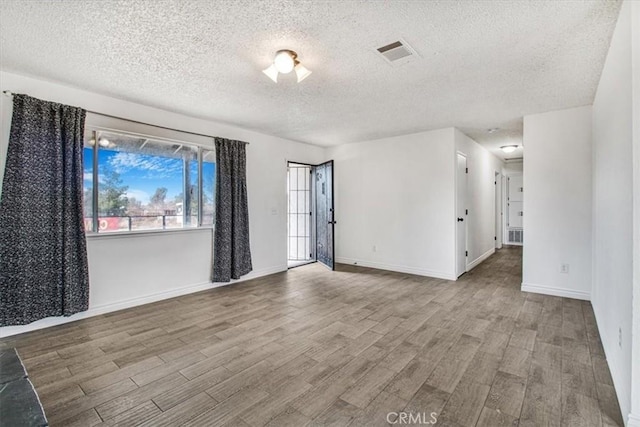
325	220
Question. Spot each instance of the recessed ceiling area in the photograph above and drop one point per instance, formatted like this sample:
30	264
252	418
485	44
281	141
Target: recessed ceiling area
478	65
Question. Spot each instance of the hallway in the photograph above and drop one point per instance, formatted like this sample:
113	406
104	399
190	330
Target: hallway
350	347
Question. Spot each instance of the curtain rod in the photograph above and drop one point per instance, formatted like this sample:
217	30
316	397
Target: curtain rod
9	93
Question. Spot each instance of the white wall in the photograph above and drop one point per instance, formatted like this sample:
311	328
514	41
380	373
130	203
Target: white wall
557	202
613	207
126	270
512	168
634	416
397	194
481	230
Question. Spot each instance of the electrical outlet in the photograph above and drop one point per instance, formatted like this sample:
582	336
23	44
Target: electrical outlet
619	337
564	268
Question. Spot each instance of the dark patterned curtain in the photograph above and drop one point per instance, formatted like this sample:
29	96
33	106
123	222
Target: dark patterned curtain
231	252
43	256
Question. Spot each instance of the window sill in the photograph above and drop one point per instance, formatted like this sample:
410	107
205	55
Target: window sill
143	233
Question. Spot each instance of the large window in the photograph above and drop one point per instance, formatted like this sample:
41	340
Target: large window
135	183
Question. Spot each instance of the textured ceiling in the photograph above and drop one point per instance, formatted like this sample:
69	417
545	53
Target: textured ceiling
482	64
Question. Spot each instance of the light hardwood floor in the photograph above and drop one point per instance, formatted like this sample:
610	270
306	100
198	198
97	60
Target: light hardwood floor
332	348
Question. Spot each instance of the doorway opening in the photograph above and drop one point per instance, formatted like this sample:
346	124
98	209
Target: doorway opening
461	214
497	185
515	198
299	215
310	214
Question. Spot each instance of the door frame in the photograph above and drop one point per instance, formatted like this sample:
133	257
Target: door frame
314	232
313	208
499	213
455	216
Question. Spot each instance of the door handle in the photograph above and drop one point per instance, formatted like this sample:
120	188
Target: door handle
460	219
332	222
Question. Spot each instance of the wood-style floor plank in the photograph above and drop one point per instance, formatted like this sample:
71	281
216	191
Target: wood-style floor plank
506	394
465	404
316	347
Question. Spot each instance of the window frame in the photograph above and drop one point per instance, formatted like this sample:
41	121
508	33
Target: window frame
93	131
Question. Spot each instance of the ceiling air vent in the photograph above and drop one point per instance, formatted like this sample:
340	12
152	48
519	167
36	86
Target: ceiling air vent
398	52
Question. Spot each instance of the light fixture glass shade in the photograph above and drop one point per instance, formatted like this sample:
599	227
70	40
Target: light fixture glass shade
509	148
272	72
302	72
284	62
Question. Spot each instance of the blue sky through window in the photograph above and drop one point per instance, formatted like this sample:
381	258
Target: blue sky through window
144	173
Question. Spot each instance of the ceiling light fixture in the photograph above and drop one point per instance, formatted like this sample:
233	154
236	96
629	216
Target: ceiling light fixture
509	148
284	62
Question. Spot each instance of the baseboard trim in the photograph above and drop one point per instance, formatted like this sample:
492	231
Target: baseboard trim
8	331
397	268
257	273
473	264
633	420
554	291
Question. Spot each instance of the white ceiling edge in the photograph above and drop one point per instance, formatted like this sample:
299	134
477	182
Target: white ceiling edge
39	87
480	64
490	141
